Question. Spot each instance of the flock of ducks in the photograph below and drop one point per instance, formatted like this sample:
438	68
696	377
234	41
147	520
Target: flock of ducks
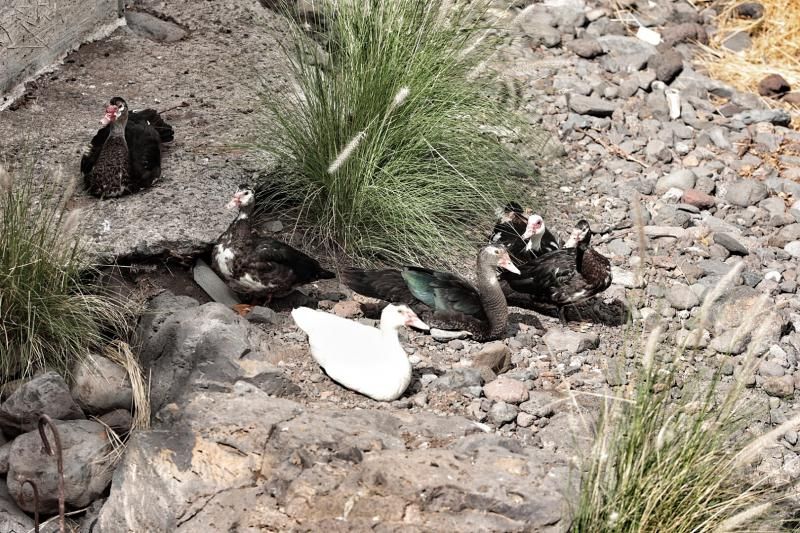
522	257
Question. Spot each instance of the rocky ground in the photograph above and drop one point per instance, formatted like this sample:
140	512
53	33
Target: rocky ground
249	434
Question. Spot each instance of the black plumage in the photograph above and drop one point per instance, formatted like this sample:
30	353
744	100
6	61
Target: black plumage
447	301
566	276
125	155
523	234
255	266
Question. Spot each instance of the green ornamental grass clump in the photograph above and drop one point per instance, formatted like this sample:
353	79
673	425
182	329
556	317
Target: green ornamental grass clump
390	146
681	465
50	311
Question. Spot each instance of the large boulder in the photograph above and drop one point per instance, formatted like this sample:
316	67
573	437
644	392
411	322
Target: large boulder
45	394
87	466
100	385
12	519
247	460
185	346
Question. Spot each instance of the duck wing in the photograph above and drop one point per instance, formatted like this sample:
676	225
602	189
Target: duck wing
388	284
445	293
144	149
150	117
283	262
331	337
544	275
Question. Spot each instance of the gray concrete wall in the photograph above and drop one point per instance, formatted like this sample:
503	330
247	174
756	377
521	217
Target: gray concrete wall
35	34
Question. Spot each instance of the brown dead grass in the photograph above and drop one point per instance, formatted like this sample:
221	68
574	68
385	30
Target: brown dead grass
775	49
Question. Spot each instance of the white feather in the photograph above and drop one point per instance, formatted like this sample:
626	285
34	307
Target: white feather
367	360
224	257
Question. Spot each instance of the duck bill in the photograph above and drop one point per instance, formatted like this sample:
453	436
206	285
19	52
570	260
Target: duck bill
527	235
574	237
506	263
232	204
417	323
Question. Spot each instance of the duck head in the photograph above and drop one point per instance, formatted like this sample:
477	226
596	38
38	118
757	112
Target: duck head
116	111
244	200
581	234
496	256
397	316
534	227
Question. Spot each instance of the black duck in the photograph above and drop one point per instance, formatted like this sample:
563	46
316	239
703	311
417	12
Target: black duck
125	155
566	276
523	234
444	300
258	267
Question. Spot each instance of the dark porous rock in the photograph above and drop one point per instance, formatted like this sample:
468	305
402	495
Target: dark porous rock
458	378
782	387
785	235
774	86
591	105
45	394
494	356
120	420
779	117
746	192
502	412
698	199
263	315
12	518
749	10
586	48
731	244
100	385
87	466
667	64
684	33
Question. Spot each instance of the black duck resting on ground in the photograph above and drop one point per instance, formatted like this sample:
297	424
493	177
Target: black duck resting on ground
447	301
564	277
125	155
258	267
523	234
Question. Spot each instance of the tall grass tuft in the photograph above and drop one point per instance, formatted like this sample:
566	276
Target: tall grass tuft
679	465
50	311
391	146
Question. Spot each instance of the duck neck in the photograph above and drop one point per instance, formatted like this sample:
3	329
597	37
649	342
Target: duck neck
492	298
580	252
118	126
535	242
242	223
389	331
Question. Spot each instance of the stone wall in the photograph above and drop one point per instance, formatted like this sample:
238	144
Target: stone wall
34	34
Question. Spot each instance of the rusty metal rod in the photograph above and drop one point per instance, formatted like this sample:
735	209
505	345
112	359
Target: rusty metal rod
46	421
35	503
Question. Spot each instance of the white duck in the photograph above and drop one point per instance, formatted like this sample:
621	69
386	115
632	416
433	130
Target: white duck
367	360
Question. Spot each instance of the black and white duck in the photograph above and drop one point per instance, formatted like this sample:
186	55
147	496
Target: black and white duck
258	267
444	300
566	276
125	154
523	234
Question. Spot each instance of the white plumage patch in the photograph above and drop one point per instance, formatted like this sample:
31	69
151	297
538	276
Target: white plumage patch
224	256
253	284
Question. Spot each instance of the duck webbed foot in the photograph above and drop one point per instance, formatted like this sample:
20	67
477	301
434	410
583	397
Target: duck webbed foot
444	335
242	309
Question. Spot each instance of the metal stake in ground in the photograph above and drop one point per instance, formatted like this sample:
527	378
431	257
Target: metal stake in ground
35	503
45	420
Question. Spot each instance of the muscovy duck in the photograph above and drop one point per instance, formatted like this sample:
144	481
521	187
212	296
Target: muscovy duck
260	267
445	300
523	234
125	155
566	276
362	358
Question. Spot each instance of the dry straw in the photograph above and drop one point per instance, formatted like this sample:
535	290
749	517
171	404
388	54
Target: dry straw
775	47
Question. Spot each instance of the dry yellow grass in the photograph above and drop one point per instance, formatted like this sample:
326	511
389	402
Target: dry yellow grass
775	48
